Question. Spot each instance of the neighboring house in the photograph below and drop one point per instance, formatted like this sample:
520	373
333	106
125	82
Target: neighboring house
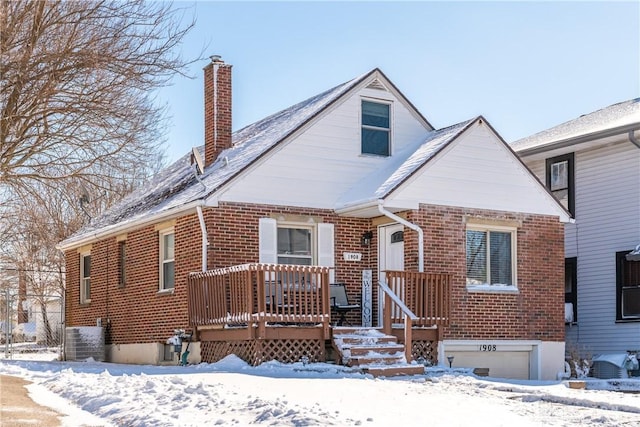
592	164
49	322
443	238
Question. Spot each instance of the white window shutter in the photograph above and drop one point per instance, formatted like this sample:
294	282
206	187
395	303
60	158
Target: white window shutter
326	251
268	241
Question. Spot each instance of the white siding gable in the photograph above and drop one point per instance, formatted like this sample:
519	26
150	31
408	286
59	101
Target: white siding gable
477	170
320	163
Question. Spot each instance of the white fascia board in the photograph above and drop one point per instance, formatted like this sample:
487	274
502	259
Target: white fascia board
356	208
369	208
122	227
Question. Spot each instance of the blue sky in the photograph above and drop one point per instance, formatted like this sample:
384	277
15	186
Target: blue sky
525	66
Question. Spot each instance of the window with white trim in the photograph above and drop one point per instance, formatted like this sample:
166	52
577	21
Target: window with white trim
376	128
167	261
491	255
302	243
295	245
85	278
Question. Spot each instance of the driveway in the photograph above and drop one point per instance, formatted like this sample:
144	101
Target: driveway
17	408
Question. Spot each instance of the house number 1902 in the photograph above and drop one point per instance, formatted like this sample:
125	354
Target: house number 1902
487	347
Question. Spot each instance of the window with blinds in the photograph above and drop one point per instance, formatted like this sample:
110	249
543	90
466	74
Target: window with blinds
490	257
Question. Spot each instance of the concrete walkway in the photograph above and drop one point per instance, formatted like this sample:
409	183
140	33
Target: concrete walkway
17	409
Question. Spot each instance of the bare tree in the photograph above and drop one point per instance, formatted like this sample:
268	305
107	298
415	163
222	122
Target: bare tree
77	116
77	81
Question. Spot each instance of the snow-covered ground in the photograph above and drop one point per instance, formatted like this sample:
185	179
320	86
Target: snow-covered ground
232	393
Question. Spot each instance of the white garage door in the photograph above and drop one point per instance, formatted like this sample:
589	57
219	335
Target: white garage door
501	364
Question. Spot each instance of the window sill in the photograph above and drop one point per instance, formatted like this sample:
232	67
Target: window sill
85	304
628	320
165	292
492	289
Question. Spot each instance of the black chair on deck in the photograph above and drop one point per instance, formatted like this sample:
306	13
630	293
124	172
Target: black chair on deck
340	301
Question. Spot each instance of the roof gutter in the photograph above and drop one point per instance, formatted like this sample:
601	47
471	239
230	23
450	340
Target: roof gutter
205	238
103	233
410	225
563	143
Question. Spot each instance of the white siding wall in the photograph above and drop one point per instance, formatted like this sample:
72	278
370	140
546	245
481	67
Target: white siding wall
325	160
607	221
607	182
478	171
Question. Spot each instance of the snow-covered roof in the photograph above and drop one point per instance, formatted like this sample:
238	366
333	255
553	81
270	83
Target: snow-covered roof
634	255
400	166
176	186
615	116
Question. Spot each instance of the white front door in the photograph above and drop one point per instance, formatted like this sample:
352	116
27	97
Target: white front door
390	255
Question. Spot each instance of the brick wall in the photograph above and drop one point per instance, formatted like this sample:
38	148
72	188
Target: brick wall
217	109
536	312
139	314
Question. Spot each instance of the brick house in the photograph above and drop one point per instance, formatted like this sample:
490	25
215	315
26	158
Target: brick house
443	239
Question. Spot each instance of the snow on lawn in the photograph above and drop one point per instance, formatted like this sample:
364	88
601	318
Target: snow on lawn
232	393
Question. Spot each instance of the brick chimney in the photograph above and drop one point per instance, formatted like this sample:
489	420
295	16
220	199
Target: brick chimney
217	109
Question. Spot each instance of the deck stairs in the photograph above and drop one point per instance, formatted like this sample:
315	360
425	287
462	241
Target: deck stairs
372	352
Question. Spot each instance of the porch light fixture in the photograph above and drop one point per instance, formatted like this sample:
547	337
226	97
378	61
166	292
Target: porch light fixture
365	240
450	359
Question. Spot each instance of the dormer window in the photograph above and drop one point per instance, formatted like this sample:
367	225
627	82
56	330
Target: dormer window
376	128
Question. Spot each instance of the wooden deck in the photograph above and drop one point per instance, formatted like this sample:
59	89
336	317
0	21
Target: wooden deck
263	312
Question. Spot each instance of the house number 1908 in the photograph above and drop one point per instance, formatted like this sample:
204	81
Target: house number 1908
487	347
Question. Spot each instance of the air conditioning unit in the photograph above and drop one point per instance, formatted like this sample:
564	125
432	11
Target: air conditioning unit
606	366
84	342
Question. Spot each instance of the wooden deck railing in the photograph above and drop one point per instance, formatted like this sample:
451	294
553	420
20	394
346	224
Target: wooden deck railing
414	299
427	295
259	293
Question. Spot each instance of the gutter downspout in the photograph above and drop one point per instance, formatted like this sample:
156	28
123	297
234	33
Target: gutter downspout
410	225
205	238
633	139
